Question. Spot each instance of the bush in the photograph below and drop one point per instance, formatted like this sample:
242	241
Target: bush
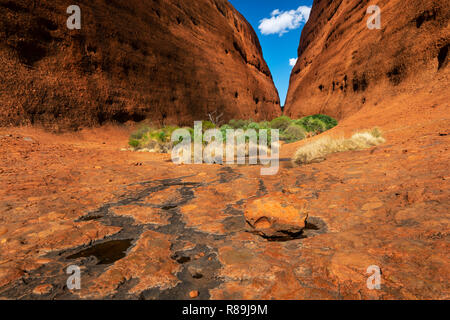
254	126
148	138
264	125
317	123
134	143
208	125
319	149
158	140
239	124
138	134
223	130
281	123
293	133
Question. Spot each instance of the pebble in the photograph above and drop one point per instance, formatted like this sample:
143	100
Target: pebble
43	289
372	206
194	294
3	230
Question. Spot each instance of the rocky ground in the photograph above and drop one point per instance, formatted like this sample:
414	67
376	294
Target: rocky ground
141	227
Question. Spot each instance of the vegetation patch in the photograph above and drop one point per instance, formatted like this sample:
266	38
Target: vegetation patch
318	150
152	139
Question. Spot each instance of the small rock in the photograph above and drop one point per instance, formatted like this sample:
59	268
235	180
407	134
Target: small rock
28	139
194	294
372	206
3	230
43	261
43	289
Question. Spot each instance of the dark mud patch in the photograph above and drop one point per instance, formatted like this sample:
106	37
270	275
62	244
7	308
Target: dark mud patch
181	260
199	273
95	257
169	207
199	266
90	218
106	252
227	174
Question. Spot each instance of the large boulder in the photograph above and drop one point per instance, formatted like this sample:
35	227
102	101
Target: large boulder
276	216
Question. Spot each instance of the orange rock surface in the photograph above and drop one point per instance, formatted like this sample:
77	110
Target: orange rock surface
343	66
169	61
386	206
140	227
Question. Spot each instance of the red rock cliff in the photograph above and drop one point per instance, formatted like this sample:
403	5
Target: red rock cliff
344	66
172	61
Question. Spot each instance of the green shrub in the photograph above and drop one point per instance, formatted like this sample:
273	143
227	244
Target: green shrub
139	133
168	132
134	143
281	123
191	132
293	133
226	127
254	126
264	125
223	130
239	124
317	123
147	137
208	125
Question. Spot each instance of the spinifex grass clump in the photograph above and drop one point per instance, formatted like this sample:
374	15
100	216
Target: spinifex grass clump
148	138
318	150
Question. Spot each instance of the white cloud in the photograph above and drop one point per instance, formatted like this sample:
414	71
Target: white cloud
292	62
282	22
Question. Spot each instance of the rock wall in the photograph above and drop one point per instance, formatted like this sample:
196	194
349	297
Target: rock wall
343	66
172	61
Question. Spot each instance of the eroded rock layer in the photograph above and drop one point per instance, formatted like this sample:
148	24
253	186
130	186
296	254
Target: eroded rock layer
343	66
172	61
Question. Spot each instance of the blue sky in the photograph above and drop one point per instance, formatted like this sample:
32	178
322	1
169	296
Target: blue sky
279	33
